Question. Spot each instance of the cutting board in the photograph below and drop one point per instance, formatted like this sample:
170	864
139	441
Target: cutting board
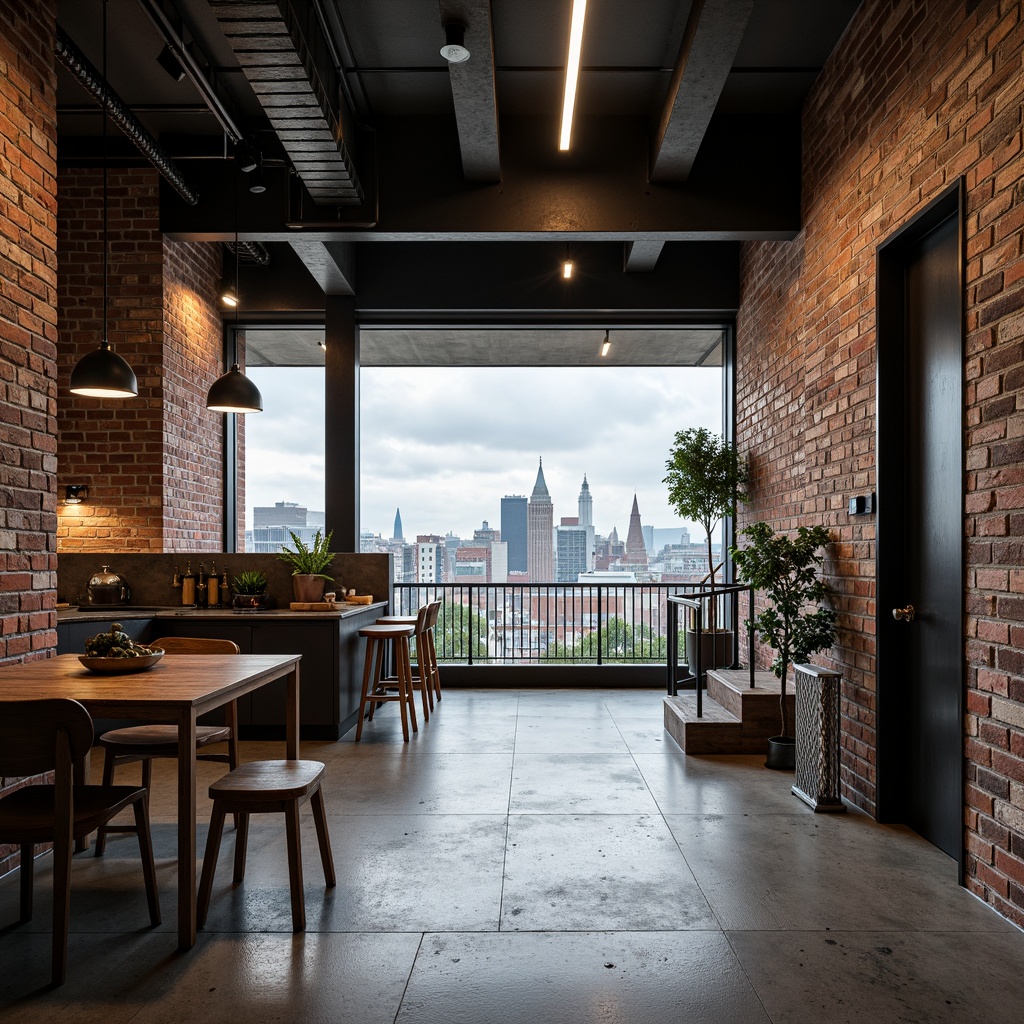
312	606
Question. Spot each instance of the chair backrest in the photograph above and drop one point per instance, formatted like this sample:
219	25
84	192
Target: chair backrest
30	731
421	619
433	610
195	645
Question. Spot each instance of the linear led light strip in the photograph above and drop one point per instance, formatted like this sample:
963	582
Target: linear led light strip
572	70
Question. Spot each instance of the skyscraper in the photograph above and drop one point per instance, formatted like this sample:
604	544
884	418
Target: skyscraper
540	518
398	525
586	516
571	552
636	550
513	530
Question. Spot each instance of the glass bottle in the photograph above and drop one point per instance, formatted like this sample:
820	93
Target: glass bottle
188	586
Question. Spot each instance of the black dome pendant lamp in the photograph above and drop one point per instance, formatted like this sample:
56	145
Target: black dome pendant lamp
102	373
233	391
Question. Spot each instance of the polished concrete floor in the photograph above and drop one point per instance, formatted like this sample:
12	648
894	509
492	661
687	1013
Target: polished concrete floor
532	857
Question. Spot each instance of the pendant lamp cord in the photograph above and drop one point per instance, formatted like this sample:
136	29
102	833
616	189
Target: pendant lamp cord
106	237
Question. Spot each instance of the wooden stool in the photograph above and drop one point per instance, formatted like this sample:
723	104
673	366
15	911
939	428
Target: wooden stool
424	677
376	692
263	787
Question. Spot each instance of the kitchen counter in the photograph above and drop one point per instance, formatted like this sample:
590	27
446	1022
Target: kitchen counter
329	642
119	613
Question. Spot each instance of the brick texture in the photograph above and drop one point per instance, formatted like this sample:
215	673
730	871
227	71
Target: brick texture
28	335
153	464
917	94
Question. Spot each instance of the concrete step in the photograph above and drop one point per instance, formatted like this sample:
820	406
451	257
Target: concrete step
737	719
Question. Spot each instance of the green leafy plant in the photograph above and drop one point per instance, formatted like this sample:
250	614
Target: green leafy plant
306	559
706	477
796	624
252	581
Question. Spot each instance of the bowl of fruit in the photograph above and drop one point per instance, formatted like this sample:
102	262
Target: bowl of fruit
115	652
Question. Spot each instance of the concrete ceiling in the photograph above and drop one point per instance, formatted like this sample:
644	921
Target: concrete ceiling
505	347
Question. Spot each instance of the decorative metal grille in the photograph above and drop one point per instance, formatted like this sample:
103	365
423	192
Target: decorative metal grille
818	694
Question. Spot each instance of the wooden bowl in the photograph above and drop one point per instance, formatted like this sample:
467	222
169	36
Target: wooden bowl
120	666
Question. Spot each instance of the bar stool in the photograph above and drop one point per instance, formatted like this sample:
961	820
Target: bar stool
423	622
264	787
423	677
375	685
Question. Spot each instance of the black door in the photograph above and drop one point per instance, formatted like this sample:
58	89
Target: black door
920	559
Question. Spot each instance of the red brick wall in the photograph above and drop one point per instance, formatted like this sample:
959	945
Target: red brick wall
28	335
152	463
918	93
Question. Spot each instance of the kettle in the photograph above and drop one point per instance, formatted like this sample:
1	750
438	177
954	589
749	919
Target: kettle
106	587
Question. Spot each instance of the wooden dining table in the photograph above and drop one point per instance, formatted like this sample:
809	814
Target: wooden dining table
178	689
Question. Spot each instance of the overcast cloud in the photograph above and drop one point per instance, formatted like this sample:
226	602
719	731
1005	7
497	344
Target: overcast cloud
445	444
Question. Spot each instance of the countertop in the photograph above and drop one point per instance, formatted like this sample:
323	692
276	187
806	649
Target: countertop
116	613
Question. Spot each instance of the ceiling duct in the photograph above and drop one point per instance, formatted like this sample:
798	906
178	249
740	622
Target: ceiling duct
120	113
249	252
286	58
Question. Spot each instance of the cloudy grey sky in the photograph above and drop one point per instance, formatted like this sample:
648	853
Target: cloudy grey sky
445	444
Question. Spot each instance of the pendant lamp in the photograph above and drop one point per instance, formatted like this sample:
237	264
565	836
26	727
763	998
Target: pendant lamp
233	391
102	373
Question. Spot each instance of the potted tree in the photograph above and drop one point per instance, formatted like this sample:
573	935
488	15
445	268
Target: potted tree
705	480
308	562
795	624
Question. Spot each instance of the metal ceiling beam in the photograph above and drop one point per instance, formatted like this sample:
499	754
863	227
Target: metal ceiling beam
709	46
642	255
473	91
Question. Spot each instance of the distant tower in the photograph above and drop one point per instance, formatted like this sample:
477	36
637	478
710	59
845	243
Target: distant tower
586	514
513	530
398	525
540	520
636	550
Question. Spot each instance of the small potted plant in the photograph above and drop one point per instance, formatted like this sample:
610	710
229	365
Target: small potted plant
250	589
308	562
706	476
795	624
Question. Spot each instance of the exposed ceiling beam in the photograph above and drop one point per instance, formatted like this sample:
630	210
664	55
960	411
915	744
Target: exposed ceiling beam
709	47
642	255
335	276
472	81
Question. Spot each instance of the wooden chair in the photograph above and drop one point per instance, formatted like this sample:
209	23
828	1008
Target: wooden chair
145	742
39	736
424	623
264	787
376	687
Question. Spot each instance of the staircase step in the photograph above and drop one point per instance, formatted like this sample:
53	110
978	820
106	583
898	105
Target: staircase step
737	719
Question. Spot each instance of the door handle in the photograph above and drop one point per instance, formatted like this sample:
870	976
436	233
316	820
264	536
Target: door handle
904	614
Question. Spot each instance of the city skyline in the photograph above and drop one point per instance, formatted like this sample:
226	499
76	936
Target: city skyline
445	444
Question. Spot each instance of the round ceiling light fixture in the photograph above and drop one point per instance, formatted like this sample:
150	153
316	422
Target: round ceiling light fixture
454	50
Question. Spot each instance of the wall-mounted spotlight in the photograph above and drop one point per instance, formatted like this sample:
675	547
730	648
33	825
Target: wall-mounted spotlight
454	50
75	494
606	345
246	156
322	344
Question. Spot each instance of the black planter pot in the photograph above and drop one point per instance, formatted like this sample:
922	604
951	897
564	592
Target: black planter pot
715	650
781	753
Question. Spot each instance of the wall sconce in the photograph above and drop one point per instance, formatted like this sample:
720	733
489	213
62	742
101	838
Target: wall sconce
75	494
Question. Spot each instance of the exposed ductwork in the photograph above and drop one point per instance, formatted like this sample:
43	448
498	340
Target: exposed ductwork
120	113
281	48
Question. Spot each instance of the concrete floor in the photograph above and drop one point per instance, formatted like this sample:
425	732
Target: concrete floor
532	857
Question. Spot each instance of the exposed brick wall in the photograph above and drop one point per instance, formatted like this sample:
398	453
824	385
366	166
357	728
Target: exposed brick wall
153	463
918	93
28	334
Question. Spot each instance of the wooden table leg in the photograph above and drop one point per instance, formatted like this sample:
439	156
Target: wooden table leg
187	831
292	716
80	777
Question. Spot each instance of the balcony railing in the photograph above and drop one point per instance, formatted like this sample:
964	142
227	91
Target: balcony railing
561	623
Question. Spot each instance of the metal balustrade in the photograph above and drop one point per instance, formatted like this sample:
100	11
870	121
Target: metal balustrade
560	623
